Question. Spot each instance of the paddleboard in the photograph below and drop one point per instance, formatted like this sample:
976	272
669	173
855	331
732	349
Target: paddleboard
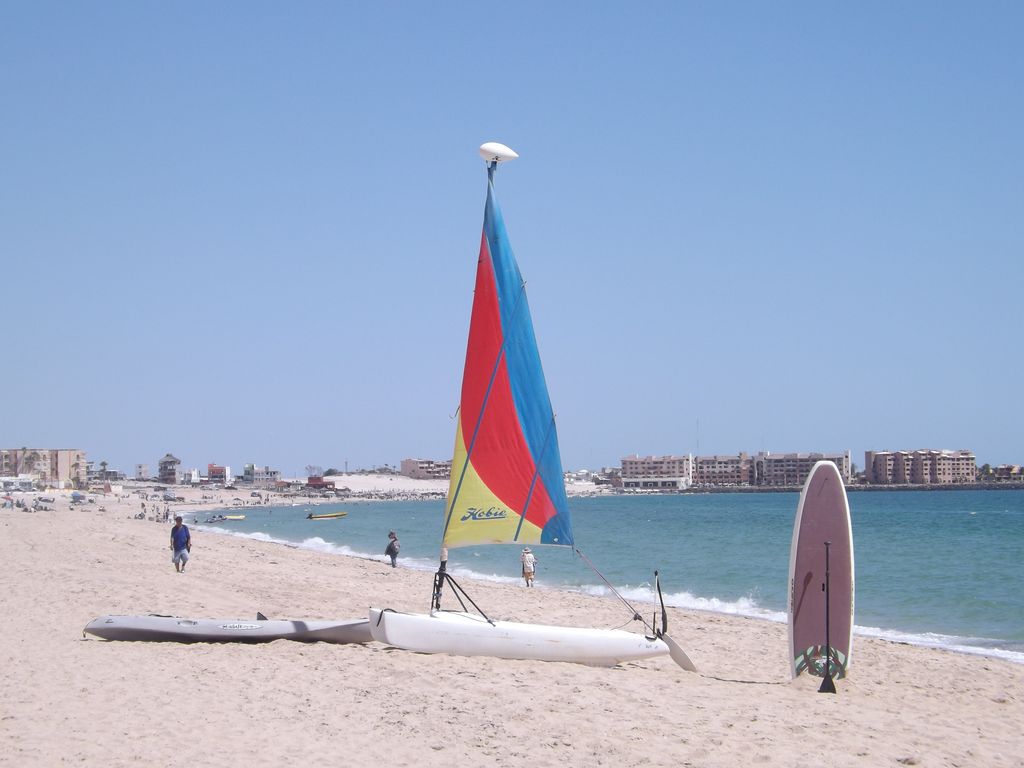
180	630
823	514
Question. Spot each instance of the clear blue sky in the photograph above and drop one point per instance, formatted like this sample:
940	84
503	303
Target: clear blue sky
247	232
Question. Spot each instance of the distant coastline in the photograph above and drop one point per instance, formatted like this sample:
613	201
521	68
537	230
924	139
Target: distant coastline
860	487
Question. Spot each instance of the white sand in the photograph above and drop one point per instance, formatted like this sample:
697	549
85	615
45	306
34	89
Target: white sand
92	702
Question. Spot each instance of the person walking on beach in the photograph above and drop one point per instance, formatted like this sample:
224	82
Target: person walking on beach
181	545
392	548
529	562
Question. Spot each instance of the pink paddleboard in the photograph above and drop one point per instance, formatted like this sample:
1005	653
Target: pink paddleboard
823	514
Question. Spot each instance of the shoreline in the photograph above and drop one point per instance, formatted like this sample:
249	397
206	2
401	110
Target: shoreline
92	701
369	488
947	643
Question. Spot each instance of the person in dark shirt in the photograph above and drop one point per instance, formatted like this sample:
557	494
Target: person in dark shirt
181	545
392	548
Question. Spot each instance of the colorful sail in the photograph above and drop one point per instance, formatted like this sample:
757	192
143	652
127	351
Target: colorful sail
506	483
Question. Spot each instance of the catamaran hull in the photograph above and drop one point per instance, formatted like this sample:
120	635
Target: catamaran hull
179	630
464	634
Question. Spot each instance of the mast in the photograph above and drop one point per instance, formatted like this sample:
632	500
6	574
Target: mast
492	153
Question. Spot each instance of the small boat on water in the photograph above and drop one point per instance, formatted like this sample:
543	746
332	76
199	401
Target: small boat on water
233	517
215	519
326	516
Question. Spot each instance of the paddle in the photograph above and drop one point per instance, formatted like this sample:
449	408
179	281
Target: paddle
678	654
674	649
827	685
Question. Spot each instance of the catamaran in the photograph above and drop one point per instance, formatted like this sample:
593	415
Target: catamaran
507	484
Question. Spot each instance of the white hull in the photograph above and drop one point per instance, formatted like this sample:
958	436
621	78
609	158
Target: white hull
464	634
180	630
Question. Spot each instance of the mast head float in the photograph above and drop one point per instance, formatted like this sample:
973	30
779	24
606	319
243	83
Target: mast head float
493	152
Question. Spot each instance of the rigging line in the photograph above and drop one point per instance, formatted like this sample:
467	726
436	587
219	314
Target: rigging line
636	615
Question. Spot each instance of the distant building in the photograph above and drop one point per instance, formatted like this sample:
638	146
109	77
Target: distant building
58	467
657	473
793	468
667	473
260	477
580	476
168	470
142	472
724	470
1008	473
218	474
426	469
317	483
920	467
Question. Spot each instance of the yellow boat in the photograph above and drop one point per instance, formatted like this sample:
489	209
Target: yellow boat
234	517
326	516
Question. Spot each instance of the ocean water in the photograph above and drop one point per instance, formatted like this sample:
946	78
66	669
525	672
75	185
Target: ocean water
934	568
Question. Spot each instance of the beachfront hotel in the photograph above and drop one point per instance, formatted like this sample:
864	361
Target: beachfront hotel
56	467
657	473
764	469
774	469
921	467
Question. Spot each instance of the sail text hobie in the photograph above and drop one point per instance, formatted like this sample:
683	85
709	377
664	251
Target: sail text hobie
493	513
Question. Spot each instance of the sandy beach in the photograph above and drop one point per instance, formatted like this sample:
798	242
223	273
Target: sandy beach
86	701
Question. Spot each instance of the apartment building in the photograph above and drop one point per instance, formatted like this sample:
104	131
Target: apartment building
261	477
762	469
426	469
724	470
57	467
792	469
920	467
669	473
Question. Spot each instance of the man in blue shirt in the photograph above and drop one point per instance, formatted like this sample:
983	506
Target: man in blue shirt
181	544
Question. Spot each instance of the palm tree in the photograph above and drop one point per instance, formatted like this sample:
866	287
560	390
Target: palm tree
103	470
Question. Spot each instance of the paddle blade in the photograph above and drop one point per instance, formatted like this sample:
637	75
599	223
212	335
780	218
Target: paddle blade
678	654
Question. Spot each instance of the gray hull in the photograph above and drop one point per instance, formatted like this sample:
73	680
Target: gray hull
179	630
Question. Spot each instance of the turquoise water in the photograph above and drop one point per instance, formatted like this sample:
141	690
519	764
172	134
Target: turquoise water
937	568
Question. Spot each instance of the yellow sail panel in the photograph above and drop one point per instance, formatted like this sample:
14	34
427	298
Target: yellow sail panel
478	516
